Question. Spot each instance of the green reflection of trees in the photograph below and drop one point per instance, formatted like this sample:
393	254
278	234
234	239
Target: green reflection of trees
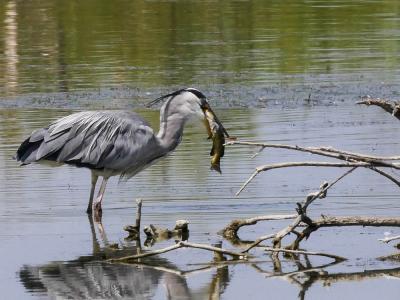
67	45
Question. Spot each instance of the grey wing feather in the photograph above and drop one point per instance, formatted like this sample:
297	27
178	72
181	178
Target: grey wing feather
113	140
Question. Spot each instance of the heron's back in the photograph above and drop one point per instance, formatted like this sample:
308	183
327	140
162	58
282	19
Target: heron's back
118	141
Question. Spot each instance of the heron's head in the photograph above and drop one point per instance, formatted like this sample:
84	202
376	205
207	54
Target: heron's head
186	104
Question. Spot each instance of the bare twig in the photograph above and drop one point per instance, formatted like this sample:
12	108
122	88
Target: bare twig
392	108
146	254
351	158
230	231
285	231
335	257
317	164
390	238
323	151
258	241
181	244
247	182
327	221
356	155
387	175
134	230
235	255
138	213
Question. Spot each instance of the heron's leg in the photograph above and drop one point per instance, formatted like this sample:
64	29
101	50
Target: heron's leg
92	189
97	202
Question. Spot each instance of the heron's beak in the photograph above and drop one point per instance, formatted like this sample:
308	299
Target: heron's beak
207	124
209	118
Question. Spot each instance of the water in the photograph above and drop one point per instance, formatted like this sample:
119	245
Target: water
48	246
283	72
245	52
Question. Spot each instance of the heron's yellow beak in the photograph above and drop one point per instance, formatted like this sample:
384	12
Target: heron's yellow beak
211	120
217	133
206	122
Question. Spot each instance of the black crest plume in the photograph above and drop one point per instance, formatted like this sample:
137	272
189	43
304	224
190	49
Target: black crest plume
197	93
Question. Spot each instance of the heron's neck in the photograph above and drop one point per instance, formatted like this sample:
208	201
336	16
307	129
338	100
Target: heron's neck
171	131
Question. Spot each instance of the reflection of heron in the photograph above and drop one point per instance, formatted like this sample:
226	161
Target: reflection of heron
113	143
89	277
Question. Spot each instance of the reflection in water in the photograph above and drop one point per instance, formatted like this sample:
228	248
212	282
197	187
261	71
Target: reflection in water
10	52
306	275
42	208
154	44
89	277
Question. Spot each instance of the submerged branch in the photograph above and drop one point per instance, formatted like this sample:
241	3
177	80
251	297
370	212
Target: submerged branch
323	151
349	164
327	221
335	257
392	108
300	214
390	238
181	244
231	230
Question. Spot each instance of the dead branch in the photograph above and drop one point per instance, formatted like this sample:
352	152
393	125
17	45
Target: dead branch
355	155
181	244
301	217
134	230
322	151
157	234
326	221
389	239
387	175
258	241
233	254
392	108
231	230
302	269
335	257
321	164
350	157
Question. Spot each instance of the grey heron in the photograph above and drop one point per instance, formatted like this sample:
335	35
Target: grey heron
113	143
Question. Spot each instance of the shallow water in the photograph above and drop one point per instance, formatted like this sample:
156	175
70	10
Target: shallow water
276	71
48	246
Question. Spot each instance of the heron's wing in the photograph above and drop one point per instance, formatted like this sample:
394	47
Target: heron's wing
112	140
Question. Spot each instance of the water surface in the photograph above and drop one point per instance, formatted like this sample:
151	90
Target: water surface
245	52
55	251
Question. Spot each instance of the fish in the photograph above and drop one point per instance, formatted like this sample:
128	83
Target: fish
216	132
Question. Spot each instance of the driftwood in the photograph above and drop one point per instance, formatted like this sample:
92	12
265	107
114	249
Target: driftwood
391	107
301	225
231	230
134	230
307	274
326	221
288	251
157	234
301	218
390	238
181	244
352	159
301	215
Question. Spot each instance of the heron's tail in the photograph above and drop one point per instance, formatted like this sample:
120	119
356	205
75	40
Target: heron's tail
26	152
